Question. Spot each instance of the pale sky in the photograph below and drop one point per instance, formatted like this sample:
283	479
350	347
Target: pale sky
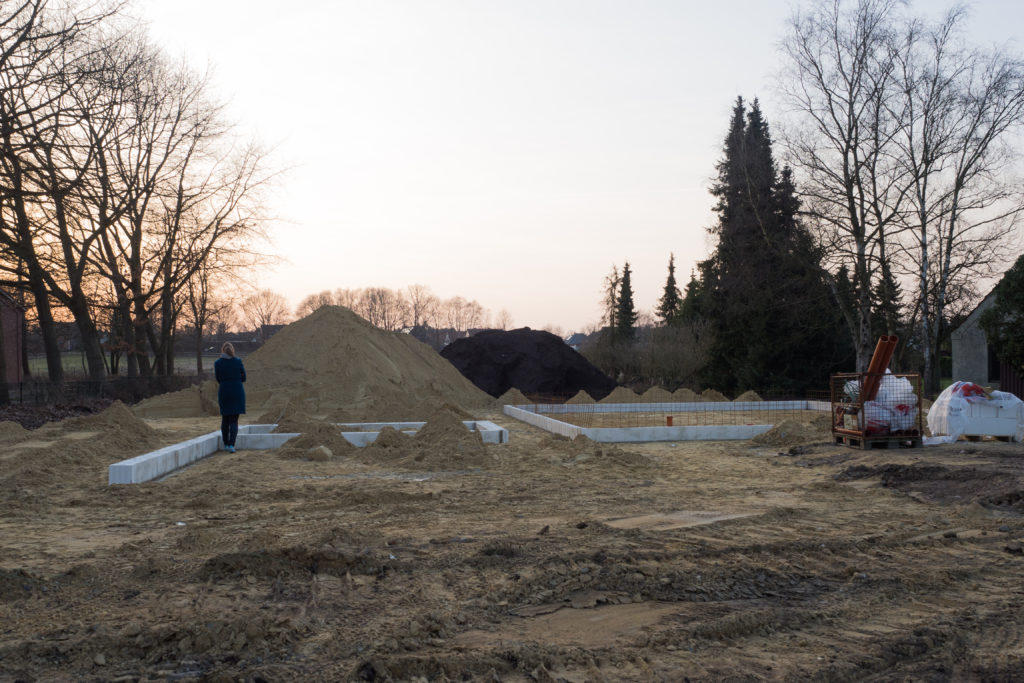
508	151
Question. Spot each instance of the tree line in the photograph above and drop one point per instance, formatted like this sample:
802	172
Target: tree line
413	306
896	208
124	192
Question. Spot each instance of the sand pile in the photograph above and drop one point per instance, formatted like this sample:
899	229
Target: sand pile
198	400
319	441
748	396
685	395
581	397
12	431
78	449
656	395
582	451
712	395
117	418
443	443
333	359
621	395
512	397
792	432
334	364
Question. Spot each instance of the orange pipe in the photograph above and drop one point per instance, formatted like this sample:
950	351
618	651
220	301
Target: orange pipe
876	368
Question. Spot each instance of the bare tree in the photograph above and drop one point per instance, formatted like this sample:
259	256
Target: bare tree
265	307
350	299
36	52
504	320
385	308
422	304
901	140
839	79
961	105
314	302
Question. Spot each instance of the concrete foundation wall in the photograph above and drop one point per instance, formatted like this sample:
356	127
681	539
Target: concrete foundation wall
532	414
155	464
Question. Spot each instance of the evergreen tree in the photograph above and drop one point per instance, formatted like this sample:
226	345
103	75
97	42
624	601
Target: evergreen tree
670	305
625	314
1003	324
761	291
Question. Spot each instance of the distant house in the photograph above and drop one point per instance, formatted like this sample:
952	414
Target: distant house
268	331
12	317
576	340
973	357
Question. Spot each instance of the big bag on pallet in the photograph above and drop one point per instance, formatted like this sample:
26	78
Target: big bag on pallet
966	408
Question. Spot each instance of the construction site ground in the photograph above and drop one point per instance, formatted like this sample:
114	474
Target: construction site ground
540	560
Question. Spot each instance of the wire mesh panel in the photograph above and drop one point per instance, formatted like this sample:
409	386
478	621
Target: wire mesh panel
625	410
876	406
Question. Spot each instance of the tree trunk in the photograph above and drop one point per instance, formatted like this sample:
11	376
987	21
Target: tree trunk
5	397
90	337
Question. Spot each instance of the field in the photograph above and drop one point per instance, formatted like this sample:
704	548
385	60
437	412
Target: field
548	560
74	364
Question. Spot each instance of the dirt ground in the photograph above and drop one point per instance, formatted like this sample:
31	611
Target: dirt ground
539	560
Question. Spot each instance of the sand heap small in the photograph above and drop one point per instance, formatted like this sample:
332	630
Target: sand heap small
656	395
793	432
621	395
712	395
581	397
11	431
443	443
748	396
196	401
512	397
684	395
318	441
116	418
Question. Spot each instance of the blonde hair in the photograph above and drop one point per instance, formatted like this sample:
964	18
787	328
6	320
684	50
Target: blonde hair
228	349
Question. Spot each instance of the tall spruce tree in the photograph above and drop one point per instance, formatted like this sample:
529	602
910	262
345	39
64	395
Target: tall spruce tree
775	327
625	314
670	305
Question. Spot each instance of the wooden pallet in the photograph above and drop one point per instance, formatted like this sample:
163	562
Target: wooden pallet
869	442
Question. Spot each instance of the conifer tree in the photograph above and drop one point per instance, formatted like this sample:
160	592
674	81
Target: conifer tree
625	314
670	305
761	290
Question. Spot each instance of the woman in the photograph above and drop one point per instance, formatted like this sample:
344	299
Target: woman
230	374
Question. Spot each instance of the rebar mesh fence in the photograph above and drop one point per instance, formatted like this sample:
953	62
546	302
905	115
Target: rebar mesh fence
128	390
622	410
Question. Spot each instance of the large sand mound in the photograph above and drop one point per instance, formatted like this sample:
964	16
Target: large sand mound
335	364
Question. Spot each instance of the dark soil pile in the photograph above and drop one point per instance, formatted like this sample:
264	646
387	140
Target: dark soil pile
533	361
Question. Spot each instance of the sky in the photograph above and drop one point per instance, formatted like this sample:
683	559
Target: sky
507	151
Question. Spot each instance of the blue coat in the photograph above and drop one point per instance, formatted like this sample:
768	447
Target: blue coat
230	374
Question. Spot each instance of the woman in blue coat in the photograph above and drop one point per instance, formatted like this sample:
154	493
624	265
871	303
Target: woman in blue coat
230	375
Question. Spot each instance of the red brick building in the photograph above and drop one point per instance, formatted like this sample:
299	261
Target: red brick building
11	317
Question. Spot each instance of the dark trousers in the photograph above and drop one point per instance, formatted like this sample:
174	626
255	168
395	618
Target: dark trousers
229	429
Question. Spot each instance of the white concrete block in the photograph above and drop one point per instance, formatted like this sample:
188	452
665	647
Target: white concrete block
157	463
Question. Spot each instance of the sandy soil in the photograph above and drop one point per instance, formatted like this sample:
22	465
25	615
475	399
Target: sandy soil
544	560
439	558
